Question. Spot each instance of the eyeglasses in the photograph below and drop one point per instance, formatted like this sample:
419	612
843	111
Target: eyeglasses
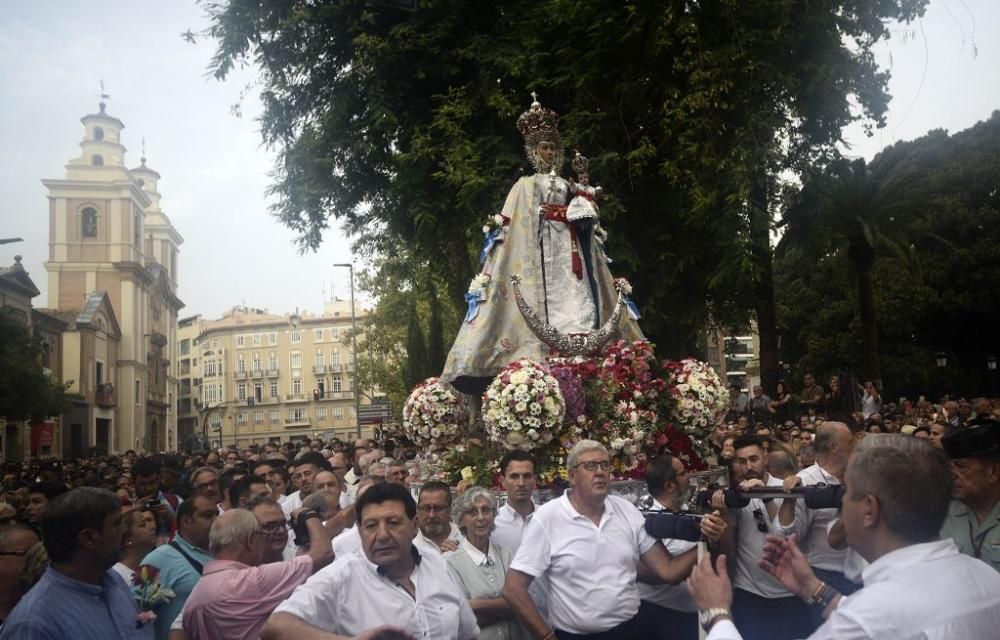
276	526
758	515
433	508
206	485
594	465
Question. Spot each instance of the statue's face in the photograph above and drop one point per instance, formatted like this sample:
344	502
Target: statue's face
546	152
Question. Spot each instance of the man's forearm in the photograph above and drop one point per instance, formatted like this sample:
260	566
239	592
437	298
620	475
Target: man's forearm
285	626
670	569
515	592
320	551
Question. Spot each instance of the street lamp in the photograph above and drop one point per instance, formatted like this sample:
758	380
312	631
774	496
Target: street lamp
354	348
991	363
941	358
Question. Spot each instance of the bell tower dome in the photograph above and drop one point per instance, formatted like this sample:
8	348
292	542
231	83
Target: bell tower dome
101	145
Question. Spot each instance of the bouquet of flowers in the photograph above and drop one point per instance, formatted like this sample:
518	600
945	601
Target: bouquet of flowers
523	407
149	593
434	415
698	395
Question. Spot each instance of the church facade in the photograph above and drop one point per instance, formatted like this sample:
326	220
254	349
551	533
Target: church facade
110	240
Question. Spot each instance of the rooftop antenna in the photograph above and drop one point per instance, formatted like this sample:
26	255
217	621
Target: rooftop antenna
143	158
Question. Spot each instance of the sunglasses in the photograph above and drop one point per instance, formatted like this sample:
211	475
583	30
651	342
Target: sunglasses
758	516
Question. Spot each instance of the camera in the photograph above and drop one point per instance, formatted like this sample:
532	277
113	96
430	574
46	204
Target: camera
674	525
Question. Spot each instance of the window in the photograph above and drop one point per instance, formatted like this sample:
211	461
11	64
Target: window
297	415
319	358
338	412
258	417
274	415
337	383
317	335
296	336
274	388
296	386
239	341
321	413
335	358
241	418
98	368
88	223
97	160
241	365
137	229
185	347
215	343
272	361
272	338
296	359
258	392
256	339
98	133
217	421
241	391
138	391
255	363
335	333
321	387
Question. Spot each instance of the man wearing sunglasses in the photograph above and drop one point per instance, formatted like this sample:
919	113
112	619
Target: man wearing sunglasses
762	608
588	542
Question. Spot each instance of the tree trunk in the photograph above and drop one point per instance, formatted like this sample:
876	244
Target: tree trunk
866	312
763	278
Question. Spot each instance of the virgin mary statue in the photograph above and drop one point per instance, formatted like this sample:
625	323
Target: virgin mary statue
563	272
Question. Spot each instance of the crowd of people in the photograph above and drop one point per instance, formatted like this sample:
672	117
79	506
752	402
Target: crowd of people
331	539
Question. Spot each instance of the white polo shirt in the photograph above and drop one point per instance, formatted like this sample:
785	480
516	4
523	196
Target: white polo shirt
670	596
509	527
811	525
350	596
928	591
750	549
590	568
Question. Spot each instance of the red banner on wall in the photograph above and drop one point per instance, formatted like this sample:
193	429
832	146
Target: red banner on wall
43	434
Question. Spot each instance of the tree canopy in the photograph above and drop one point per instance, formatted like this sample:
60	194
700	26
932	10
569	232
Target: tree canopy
26	391
400	124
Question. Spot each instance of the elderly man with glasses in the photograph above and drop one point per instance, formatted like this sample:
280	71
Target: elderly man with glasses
587	544
238	589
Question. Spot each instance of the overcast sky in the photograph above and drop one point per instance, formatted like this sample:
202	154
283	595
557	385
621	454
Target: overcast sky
215	172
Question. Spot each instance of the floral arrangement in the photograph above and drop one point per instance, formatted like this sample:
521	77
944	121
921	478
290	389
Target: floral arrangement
149	593
434	415
698	394
523	407
476	294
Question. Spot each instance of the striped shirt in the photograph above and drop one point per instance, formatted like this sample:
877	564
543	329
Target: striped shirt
60	607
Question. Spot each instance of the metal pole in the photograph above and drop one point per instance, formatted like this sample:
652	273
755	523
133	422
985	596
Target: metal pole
354	357
354	350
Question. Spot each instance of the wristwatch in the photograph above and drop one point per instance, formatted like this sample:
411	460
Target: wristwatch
706	617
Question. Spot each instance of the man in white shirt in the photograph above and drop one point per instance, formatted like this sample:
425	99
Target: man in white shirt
667	612
833	445
763	608
434	517
587	544
917	586
303	473
517	478
390	583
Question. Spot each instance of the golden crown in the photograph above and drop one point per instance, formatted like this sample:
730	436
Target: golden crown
538	124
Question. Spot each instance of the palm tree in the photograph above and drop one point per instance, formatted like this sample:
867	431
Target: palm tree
861	211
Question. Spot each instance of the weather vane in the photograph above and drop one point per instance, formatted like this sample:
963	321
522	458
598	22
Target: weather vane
104	96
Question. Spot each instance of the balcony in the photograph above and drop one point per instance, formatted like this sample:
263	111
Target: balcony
319	369
297	422
295	397
329	395
272	373
257	374
104	396
333	368
240	375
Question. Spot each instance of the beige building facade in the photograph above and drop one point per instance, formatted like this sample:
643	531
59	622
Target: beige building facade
108	234
253	377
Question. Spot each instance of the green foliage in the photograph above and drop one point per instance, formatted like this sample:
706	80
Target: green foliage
928	213
401	124
26	392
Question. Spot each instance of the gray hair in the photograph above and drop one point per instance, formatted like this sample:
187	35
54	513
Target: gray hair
910	479
234	527
375	465
467	499
201	470
581	448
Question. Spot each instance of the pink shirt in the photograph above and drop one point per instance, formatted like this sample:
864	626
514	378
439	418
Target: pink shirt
234	600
